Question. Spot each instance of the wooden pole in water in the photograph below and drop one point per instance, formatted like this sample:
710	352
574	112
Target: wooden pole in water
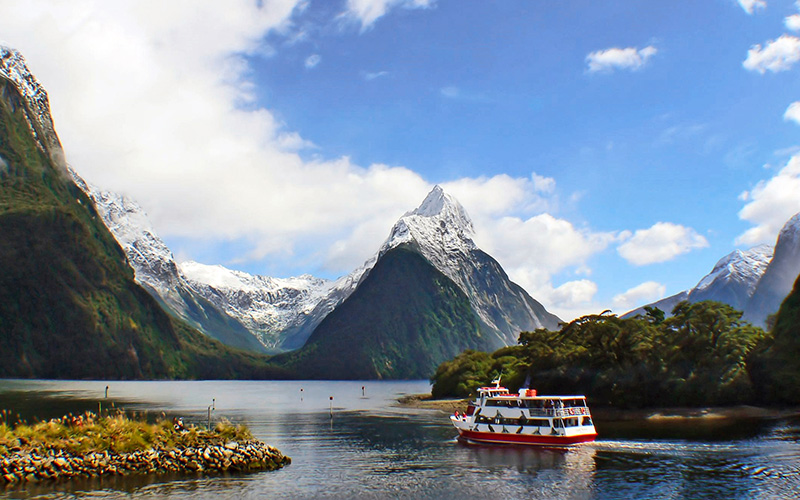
331	401
106	392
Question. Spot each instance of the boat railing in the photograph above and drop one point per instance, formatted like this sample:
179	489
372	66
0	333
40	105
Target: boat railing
559	412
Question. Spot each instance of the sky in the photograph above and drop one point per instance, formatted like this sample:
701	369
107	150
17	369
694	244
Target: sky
608	152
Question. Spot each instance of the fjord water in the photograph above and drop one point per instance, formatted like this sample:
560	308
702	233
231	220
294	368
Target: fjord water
373	448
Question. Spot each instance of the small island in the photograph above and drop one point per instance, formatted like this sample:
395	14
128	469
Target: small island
91	445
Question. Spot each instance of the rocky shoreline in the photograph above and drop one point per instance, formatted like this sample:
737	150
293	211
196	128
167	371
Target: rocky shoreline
28	466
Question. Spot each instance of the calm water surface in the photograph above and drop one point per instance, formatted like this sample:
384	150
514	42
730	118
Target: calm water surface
372	448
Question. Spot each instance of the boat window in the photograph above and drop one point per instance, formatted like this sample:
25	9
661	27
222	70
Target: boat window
587	421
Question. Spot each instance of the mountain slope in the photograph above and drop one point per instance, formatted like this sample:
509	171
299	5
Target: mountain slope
780	275
441	231
69	307
402	321
270	308
256	313
155	269
427	295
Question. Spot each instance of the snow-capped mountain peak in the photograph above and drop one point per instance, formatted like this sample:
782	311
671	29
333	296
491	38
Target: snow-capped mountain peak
790	232
14	69
779	277
733	281
440	223
744	266
303	291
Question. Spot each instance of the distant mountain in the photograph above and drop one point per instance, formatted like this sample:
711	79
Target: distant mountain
732	281
283	313
780	275
270	308
69	306
429	293
155	269
441	231
755	281
403	320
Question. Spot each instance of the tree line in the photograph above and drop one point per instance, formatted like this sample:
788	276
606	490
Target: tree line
703	354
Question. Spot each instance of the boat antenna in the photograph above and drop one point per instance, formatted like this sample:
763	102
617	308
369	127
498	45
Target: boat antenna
496	381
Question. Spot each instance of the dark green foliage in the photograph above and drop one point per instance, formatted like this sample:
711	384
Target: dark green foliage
403	320
654	314
775	365
472	369
707	349
695	358
69	307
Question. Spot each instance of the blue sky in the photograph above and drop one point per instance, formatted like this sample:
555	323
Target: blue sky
610	152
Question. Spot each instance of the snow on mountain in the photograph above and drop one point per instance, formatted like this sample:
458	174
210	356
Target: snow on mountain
267	306
261	306
734	278
14	69
732	281
440	227
441	231
295	336
779	277
282	313
151	259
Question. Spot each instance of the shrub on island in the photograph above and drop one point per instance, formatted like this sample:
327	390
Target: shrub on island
93	446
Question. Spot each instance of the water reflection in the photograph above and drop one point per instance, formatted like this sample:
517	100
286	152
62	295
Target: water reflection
372	449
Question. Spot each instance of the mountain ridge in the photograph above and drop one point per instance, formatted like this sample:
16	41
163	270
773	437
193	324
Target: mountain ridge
755	281
69	305
733	281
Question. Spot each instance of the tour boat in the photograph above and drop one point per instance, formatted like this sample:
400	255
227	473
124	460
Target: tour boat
498	416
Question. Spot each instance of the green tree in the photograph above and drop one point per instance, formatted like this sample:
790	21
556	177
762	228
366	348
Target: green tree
706	350
698	356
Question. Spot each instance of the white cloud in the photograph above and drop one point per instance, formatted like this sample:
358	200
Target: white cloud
534	250
778	55
162	108
573	299
502	194
374	75
369	11
312	61
770	204
644	293
750	6
792	22
151	106
793	112
450	92
629	58
660	243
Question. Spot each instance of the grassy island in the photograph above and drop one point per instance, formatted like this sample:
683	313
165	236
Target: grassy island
90	445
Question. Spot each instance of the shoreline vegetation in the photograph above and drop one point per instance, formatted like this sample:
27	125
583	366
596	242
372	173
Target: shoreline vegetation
89	446
703	355
611	414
